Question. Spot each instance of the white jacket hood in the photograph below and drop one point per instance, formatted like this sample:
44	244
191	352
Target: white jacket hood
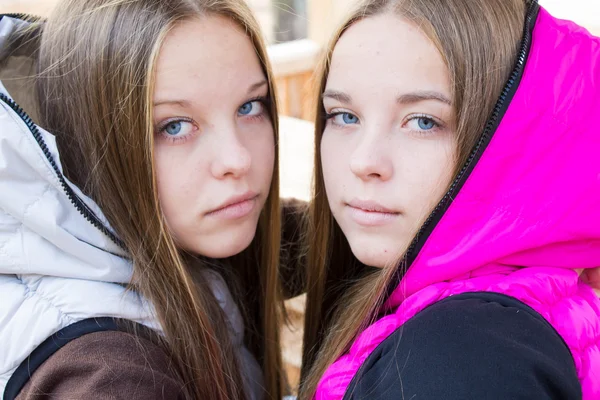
59	261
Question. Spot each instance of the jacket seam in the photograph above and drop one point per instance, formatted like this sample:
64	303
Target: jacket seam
9	238
31	292
579	347
35	201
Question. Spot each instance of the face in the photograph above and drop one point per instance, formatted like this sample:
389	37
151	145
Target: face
388	145
214	143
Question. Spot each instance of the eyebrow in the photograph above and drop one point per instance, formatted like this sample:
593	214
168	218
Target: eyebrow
407	98
180	103
416	97
186	104
257	86
339	96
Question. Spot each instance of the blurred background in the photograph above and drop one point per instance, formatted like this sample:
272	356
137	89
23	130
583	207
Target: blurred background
296	31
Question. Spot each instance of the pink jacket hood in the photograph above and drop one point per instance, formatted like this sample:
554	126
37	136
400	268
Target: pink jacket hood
524	214
532	199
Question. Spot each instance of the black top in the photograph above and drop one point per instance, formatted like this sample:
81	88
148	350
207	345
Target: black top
471	346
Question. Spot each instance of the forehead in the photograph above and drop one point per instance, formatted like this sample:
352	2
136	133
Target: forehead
206	55
387	51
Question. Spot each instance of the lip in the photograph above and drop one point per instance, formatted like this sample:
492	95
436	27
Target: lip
235	207
371	213
371	206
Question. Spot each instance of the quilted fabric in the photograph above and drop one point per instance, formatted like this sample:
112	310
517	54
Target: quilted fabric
528	216
56	268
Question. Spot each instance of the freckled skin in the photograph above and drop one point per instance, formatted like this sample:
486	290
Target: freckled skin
210	65
387	156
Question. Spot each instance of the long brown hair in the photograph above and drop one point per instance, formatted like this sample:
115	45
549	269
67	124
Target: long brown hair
478	41
97	64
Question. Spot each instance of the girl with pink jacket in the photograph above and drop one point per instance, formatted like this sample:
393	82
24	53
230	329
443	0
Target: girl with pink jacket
457	204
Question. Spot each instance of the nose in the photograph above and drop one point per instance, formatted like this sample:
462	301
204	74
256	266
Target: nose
232	158
370	161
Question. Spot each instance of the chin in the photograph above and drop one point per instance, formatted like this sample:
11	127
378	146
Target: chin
223	244
372	260
234	247
226	252
374	253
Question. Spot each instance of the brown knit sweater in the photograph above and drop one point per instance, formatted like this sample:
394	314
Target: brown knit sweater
105	365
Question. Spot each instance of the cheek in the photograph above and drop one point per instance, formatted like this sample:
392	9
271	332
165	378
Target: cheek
269	152
258	139
163	164
430	176
178	179
261	144
332	162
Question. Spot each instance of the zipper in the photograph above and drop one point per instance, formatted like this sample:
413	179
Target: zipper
498	112
491	126
21	16
79	204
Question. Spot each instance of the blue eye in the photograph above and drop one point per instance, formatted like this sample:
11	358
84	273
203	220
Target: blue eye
349	118
251	108
426	123
343	118
422	123
173	128
177	129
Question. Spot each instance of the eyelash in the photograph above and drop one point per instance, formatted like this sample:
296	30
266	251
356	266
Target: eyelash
174	139
266	104
435	121
330	116
264	100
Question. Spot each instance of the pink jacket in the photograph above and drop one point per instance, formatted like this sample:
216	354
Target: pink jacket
527	214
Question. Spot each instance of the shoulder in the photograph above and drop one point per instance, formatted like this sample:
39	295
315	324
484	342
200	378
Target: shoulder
103	365
477	345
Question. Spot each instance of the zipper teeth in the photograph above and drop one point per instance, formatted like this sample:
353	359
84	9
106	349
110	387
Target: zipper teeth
22	16
488	129
83	209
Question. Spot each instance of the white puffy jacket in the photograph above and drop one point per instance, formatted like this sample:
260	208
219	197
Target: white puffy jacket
56	267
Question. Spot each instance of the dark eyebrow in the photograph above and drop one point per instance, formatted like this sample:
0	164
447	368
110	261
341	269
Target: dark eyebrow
186	104
339	96
416	97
